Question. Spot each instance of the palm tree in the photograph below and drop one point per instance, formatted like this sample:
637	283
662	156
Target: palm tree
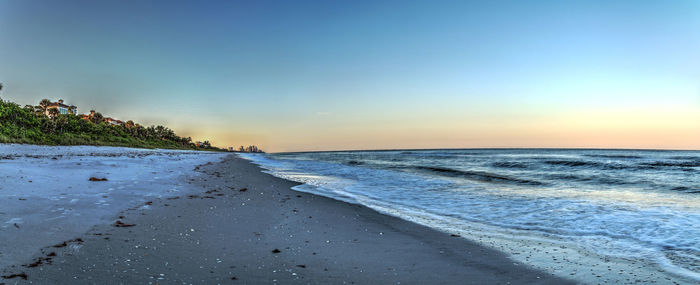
44	104
97	118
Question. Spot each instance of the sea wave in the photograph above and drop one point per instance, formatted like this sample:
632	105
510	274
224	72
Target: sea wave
510	164
673	164
637	205
573	163
614	156
476	175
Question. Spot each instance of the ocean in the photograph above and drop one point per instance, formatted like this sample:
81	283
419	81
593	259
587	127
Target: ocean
628	215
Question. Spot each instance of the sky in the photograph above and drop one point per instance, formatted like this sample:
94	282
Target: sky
338	75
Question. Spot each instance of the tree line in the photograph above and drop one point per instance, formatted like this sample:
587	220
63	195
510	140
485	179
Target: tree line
30	124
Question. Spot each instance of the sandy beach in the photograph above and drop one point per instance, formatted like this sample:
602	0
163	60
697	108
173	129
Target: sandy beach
349	142
231	223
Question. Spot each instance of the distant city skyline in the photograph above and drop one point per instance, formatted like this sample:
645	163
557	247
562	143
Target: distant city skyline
336	75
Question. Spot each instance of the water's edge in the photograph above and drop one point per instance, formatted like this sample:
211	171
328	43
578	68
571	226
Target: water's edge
549	252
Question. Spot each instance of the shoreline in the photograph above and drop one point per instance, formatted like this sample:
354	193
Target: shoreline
579	231
268	233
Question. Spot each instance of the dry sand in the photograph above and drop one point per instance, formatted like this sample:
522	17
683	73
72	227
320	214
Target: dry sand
265	234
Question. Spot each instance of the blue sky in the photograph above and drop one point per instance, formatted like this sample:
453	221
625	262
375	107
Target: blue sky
313	75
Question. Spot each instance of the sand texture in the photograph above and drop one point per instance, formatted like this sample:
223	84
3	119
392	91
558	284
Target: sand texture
242	226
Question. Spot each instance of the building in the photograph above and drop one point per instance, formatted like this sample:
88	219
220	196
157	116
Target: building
250	148
113	121
109	120
63	109
87	117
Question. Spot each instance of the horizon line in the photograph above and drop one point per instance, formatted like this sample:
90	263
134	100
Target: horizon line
489	148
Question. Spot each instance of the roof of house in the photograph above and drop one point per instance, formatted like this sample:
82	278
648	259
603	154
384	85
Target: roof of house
57	104
110	119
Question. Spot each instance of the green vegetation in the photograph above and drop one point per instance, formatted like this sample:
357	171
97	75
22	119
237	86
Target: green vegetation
30	125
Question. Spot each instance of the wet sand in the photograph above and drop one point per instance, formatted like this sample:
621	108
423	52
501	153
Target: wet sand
244	226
